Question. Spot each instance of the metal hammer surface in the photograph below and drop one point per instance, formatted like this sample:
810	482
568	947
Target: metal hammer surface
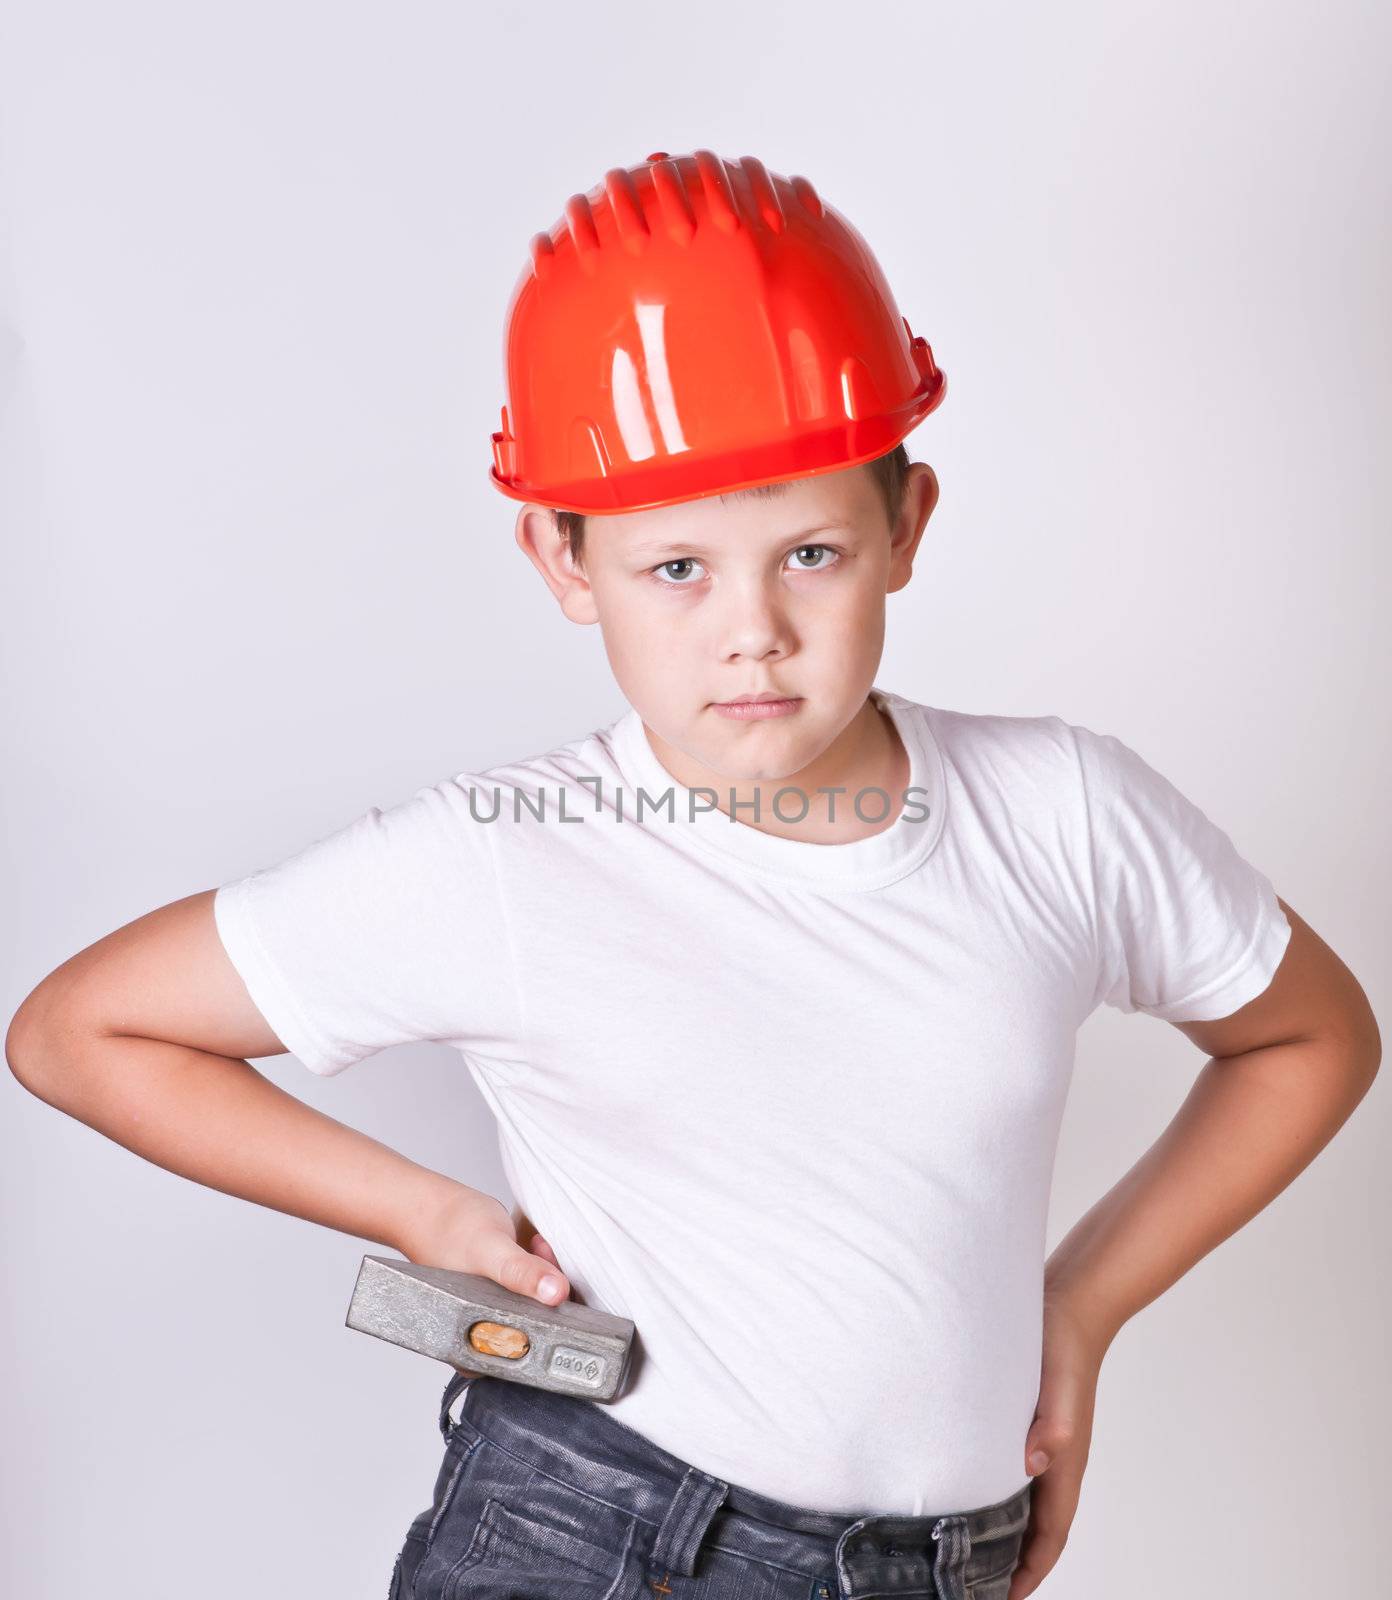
473	1323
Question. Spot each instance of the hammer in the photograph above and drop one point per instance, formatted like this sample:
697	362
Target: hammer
476	1325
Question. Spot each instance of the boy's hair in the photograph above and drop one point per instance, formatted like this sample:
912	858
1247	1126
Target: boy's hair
888	471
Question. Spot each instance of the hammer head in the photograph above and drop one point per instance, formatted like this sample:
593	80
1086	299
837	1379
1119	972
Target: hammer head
475	1324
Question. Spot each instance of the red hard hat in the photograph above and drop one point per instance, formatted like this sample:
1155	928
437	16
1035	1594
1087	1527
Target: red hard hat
692	326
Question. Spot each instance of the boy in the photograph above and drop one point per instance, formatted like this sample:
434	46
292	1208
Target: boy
772	984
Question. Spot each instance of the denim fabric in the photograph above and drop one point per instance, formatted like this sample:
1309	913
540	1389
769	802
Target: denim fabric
543	1496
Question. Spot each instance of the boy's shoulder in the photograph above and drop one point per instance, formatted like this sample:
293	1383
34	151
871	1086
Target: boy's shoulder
588	755
573	780
1053	761
993	729
1040	741
1003	750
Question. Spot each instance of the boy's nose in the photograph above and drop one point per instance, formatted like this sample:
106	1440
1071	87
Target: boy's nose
756	626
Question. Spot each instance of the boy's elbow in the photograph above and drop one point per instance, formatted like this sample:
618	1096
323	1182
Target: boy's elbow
21	1042
30	1039
1372	1047
1359	1040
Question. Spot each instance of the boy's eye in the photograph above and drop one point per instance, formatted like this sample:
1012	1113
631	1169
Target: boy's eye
803	550
679	582
675	574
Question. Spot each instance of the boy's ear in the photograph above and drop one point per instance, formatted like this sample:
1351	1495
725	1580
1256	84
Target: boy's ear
920	498
546	547
930	492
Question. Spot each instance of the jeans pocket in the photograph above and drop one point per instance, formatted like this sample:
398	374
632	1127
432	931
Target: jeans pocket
459	1453
420	1536
545	1537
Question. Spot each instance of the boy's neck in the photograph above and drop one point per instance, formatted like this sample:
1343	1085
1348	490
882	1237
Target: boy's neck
868	753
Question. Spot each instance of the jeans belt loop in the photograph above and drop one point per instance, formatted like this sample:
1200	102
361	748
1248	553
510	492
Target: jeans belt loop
954	1548
460	1380
678	1540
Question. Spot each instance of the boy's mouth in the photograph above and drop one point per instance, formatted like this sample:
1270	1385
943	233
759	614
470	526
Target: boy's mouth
750	707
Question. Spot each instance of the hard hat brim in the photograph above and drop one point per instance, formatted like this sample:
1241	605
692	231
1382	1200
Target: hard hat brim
837	450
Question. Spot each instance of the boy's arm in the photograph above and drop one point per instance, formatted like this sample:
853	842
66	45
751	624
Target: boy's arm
143	1036
1287	1070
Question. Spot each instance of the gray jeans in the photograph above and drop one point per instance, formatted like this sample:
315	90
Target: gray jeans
543	1496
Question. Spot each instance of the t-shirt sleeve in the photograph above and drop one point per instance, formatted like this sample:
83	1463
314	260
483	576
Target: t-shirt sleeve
1187	929
389	930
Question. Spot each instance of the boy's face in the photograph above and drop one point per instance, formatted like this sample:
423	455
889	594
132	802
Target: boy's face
704	602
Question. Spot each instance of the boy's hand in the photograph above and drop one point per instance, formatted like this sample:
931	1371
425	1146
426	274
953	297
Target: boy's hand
474	1232
1057	1444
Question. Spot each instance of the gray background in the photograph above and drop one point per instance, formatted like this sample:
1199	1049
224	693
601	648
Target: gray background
255	264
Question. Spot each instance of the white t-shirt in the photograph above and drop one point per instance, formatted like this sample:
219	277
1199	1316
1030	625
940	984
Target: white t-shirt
791	1107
